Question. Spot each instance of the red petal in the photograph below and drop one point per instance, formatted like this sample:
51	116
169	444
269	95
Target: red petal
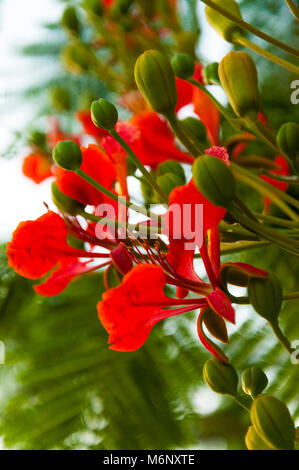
221	304
85	119
37	167
208	114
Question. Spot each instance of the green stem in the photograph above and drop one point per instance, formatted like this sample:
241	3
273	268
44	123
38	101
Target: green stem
183	136
277	197
293	8
238	399
277	220
288	244
219	106
251	29
149	178
267	54
281	338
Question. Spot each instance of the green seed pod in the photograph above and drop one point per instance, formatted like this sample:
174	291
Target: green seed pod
67	154
70	21
273	422
254	441
210	74
238	77
224	26
254	381
214	180
288	139
183	65
265	296
93	6
65	203
76	57
169	181
221	378
61	98
171	166
196	128
38	139
104	114
156	81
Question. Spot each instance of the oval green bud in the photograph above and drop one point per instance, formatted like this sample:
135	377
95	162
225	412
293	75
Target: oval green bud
76	57
183	65
70	20
254	381
168	182
65	203
196	128
93	6
224	26
238	77
214	179
265	296
104	114
254	441
210	74
156	81
38	139
67	154
171	166
288	139
61	98
273	422
221	378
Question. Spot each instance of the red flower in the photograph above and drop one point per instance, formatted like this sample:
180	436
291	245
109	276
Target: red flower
283	169
97	165
37	167
55	134
128	312
85	119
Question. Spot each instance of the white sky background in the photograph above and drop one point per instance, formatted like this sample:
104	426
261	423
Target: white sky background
20	24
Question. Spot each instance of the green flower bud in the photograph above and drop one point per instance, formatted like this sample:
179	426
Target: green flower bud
104	114
238	77
70	21
210	74
224	26
254	381
186	42
156	81
93	6
61	98
273	422
288	139
214	180
169	181
38	139
196	128
171	166
77	57
67	154
65	203
221	378
183	65
254	441
265	296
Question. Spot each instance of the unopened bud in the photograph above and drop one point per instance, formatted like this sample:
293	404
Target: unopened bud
254	441
196	128
273	422
214	179
265	296
104	114
67	154
210	74
288	139
168	182
186	42
65	203
156	81
238	77
171	166
254	381
224	26
61	98
183	65
76	57
221	378
70	20
38	139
